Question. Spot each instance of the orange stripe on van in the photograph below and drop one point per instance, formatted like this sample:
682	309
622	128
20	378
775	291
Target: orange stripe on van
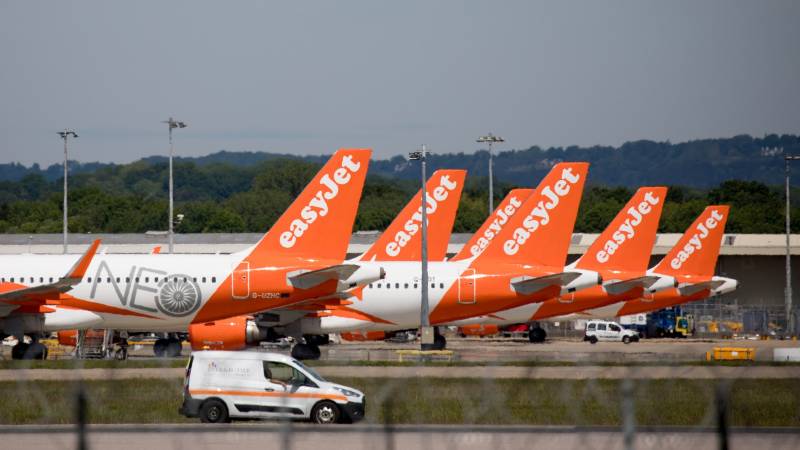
267	394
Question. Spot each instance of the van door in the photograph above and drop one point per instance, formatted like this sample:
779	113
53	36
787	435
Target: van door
466	287
602	331
290	398
614	332
240	281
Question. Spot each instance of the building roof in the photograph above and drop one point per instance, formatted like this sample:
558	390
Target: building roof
733	244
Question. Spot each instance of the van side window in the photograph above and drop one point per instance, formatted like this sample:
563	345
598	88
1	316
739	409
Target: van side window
601	327
613	327
278	372
591	326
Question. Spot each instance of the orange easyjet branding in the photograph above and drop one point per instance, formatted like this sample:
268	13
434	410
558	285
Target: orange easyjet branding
540	215
696	241
501	216
627	229
414	224
318	205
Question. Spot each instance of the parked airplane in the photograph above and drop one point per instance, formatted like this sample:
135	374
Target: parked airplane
300	258
620	255
523	263
400	242
688	269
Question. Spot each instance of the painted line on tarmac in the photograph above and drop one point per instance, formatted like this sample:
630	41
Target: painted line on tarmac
480	372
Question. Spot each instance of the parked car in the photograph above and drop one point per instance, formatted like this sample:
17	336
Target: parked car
223	385
603	330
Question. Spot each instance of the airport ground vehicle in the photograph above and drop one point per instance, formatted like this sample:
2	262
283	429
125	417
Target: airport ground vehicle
225	385
668	322
603	330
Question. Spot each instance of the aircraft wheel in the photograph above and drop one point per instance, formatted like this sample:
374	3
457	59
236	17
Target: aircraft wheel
305	352
160	348
173	348
439	342
537	335
19	350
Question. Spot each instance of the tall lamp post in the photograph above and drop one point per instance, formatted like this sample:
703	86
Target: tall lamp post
491	139
426	331
790	325
172	124
65	135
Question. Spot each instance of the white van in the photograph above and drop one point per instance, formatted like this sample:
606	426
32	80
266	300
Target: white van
222	385
603	330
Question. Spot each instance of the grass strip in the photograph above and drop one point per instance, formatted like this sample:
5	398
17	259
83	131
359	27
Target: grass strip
754	403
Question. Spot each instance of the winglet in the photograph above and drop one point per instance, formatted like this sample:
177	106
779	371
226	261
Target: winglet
628	240
697	250
319	222
540	233
493	224
402	241
79	269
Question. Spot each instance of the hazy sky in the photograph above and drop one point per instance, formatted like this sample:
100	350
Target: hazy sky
309	77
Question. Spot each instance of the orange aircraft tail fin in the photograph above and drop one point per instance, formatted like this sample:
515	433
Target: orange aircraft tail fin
628	240
540	233
697	250
493	224
320	221
402	240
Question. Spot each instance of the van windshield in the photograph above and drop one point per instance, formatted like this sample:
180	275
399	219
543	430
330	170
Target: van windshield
310	371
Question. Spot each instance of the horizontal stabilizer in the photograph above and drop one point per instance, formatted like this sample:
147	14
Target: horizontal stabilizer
690	289
528	285
64	284
308	280
618	287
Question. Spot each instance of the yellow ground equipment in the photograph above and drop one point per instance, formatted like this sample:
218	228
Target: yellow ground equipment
731	354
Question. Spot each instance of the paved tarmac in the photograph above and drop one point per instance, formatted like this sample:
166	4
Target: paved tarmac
562	372
306	436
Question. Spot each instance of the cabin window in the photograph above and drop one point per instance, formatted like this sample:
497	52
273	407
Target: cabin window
184	279
415	285
213	279
433	285
194	279
441	285
31	279
388	285
204	279
379	285
51	279
155	279
146	279
127	279
397	285
41	279
405	285
137	279
89	279
117	279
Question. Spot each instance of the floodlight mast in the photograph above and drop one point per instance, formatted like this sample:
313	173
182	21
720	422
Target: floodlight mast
790	322
426	331
172	124
491	139
65	135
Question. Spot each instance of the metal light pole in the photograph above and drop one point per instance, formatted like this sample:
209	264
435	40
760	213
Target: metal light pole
790	325
65	135
426	331
491	139
172	124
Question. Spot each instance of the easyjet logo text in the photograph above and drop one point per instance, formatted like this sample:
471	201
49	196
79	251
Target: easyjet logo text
318	205
627	229
414	224
540	216
696	241
500	219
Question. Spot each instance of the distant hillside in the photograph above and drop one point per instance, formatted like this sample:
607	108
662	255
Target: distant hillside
700	164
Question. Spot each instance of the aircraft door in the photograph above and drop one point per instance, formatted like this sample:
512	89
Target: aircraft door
466	287
240	281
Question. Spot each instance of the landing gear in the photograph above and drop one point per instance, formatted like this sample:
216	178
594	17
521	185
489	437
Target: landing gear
305	351
34	350
167	348
439	341
536	334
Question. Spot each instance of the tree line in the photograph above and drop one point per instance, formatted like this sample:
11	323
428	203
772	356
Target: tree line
220	197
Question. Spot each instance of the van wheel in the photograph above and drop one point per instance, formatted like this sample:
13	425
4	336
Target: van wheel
325	412
626	339
214	411
593	339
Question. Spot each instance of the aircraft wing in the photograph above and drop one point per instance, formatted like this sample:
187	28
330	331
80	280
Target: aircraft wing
528	285
308	280
690	289
64	284
618	287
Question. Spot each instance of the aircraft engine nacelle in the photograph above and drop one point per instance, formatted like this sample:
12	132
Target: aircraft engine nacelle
365	274
234	333
359	336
